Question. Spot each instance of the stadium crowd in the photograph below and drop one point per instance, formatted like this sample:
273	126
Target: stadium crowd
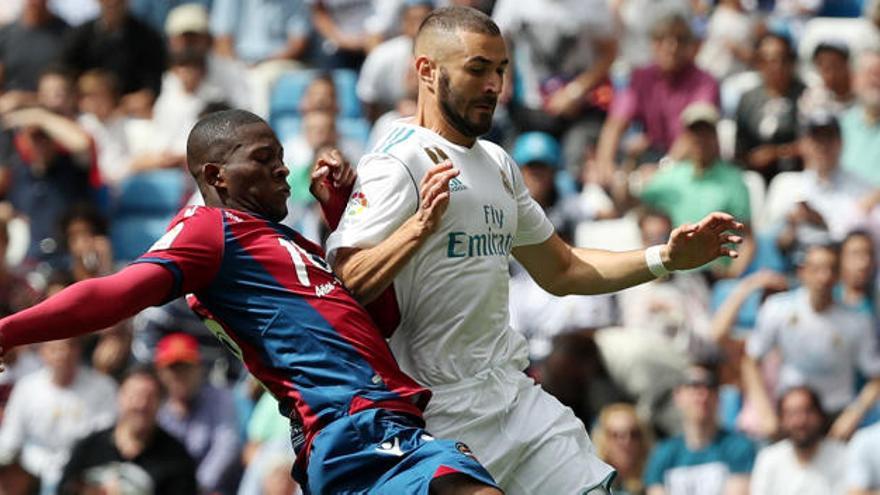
627	117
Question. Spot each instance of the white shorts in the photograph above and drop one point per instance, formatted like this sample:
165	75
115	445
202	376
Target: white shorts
526	438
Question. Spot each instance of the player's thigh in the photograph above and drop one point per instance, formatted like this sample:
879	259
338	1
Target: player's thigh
558	457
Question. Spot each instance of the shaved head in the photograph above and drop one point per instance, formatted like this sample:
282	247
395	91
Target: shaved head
439	31
214	136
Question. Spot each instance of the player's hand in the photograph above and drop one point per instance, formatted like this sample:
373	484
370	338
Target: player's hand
331	176
434	195
694	245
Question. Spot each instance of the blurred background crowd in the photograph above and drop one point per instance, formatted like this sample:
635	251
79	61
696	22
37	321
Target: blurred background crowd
627	117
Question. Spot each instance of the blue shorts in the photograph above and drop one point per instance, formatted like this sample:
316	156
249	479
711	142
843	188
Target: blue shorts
383	452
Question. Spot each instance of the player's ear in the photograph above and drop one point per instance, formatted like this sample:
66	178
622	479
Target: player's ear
214	175
426	70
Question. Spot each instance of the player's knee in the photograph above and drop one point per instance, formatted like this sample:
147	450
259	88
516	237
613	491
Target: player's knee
460	484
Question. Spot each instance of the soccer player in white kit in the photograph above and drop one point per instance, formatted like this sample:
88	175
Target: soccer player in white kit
441	274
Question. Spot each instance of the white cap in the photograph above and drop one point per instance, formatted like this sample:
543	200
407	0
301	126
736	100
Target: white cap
187	18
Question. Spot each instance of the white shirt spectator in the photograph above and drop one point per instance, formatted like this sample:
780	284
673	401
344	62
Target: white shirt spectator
822	350
863	460
552	38
779	472
836	199
381	79
43	421
727	27
357	17
111	142
176	111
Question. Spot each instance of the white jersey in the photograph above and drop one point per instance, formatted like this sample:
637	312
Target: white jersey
453	293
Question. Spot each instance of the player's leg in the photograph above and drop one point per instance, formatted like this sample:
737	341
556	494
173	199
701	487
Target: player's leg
560	457
460	484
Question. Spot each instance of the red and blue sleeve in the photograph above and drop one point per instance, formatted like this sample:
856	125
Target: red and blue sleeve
191	250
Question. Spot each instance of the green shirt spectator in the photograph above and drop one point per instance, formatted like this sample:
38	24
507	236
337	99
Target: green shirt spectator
687	194
861	144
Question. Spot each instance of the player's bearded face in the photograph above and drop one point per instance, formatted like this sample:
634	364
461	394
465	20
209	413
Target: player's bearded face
470	116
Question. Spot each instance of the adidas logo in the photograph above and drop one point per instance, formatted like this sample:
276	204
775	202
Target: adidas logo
456	185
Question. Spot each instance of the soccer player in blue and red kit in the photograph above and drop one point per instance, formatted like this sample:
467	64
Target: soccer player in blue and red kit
267	293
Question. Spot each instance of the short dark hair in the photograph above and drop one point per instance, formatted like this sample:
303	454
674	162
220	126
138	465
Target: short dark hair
146	371
213	136
790	54
451	19
815	400
87	213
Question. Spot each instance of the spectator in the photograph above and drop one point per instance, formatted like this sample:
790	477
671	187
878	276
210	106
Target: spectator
705	459
691	189
101	118
858	269
16	293
826	202
320	95
635	20
135	455
264	426
270	36
767	116
269	472
88	248
156	12
726	50
51	409
540	160
48	158
804	463
656	96
561	53
197	414
318	135
381	83
863	463
177	109
346	30
861	124
833	92
822	344
122	44
623	441
27	46
188	29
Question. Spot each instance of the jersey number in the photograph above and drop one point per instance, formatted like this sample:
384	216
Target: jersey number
296	255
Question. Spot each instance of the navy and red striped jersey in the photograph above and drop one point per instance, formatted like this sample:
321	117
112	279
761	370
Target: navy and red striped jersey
267	293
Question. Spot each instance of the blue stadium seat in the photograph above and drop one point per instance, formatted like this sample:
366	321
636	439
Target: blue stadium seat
144	206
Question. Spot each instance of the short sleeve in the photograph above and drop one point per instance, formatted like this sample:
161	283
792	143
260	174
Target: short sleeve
860	473
740	455
191	249
763	338
223	17
868	353
533	226
658	463
384	196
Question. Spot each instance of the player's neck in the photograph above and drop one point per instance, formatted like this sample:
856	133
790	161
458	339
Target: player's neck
429	116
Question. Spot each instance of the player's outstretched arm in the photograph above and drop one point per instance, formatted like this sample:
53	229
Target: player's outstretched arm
88	306
562	269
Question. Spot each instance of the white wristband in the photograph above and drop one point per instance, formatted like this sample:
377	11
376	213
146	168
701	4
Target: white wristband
654	259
